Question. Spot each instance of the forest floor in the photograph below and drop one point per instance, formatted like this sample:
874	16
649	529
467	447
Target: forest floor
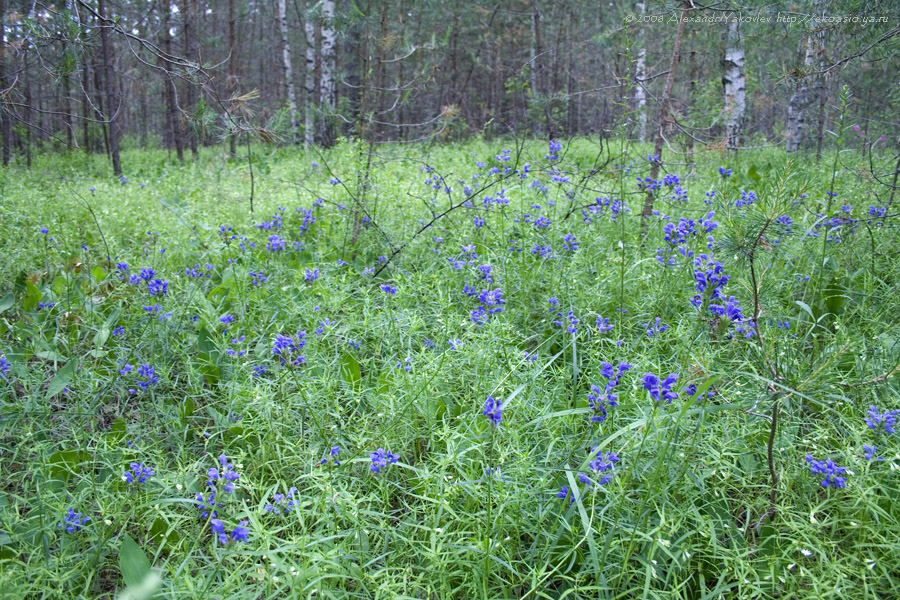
475	371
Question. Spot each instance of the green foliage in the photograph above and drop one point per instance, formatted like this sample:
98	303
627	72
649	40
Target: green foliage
469	510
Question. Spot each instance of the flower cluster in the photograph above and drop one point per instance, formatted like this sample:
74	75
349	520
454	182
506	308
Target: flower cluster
138	473
599	401
288	348
333	455
710	278
869	452
691	390
276	243
882	421
827	468
73	521
732	310
240	533
654	328
603	464
145	371
4	367
491	303
226	473
196	271
381	460
660	391
603	324
283	502
493	410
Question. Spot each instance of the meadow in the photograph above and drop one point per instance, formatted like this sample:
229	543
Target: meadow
469	370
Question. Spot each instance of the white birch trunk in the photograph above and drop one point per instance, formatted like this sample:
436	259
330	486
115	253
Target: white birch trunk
310	85
799	101
328	58
640	73
734	82
288	70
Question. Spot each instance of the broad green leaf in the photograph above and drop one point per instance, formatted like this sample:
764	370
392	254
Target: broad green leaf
32	296
7	302
133	562
805	308
63	462
753	174
350	371
62	379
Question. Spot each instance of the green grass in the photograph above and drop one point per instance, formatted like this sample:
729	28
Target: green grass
469	510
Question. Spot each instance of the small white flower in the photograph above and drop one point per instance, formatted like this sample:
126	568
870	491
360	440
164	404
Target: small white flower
805	552
178	486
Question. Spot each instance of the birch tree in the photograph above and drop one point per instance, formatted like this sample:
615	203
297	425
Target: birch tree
734	82
310	82
640	74
327	98
288	70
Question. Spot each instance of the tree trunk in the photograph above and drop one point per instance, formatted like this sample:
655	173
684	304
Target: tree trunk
664	113
112	95
692	87
173	120
640	74
190	52
288	71
5	128
821	89
799	100
85	105
309	83
734	82
538	86
232	71
27	112
327	98
110	92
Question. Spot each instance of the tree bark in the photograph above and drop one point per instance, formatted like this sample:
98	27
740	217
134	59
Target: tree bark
173	120
28	134
5	128
734	82
664	113
821	89
798	103
232	71
538	86
640	74
190	51
286	63
692	87
309	126
327	98
85	105
112	96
